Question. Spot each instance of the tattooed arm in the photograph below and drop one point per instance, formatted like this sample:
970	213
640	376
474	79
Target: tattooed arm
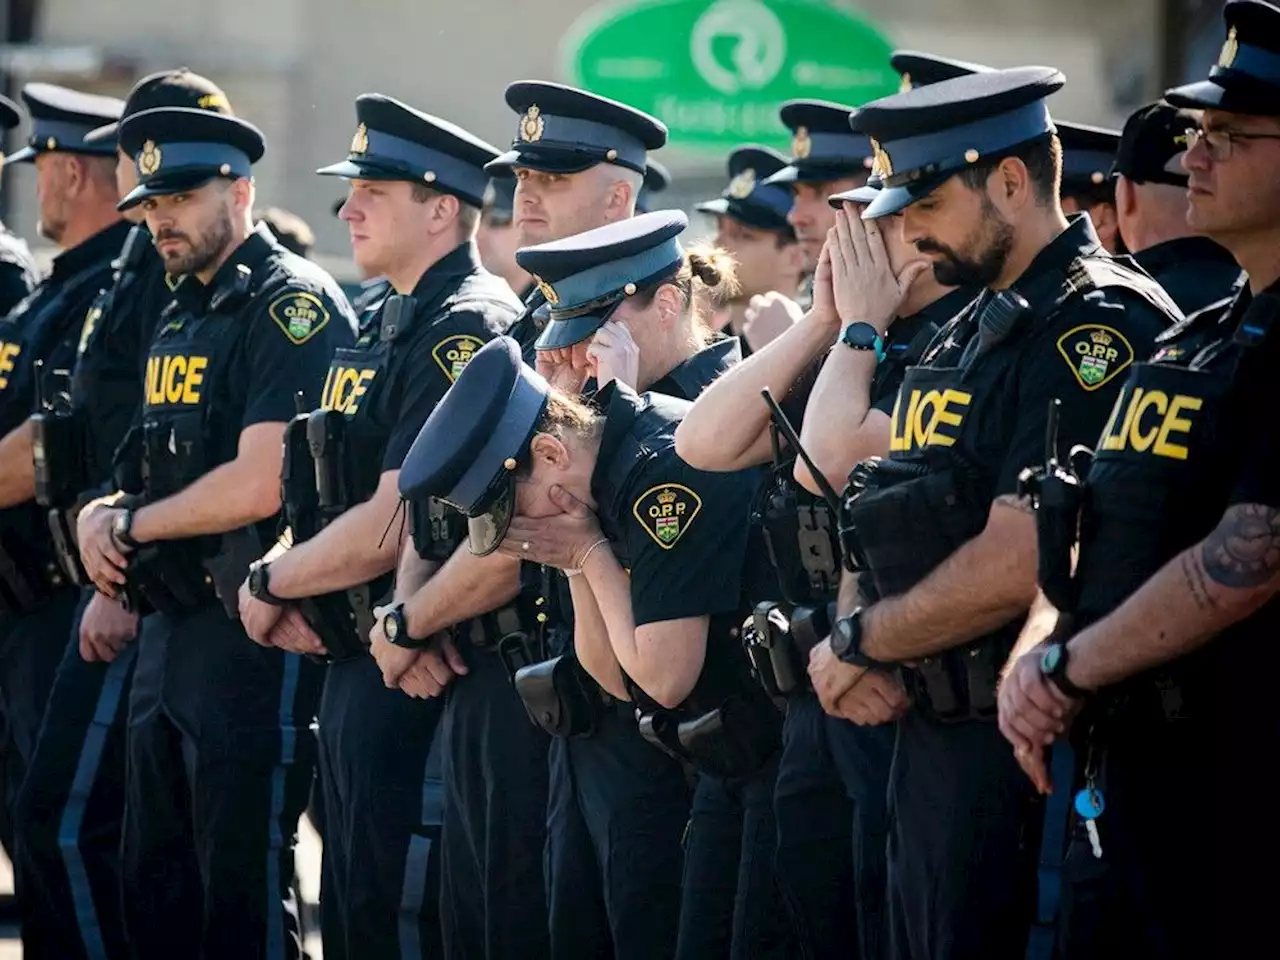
1202	591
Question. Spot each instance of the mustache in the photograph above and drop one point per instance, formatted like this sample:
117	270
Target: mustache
932	246
171	235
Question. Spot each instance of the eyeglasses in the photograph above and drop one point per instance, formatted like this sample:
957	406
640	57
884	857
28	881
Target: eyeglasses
1219	143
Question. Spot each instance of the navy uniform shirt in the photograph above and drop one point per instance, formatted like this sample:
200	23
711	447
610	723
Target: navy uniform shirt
17	270
528	326
1195	271
690	377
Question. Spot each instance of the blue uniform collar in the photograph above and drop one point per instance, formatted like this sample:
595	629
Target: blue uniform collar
620	407
695	374
1078	240
460	261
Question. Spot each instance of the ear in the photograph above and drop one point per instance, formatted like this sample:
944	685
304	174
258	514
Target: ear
621	202
75	171
1126	197
669	302
550	450
1013	183
1106	223
444	213
242	194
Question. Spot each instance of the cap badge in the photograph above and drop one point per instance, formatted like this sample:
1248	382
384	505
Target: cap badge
801	144
548	291
905	85
213	101
740	187
360	142
1229	50
149	159
881	165
531	124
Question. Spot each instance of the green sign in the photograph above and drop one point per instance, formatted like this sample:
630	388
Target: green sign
716	71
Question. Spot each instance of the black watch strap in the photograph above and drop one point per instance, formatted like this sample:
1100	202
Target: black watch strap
260	585
395	627
1053	665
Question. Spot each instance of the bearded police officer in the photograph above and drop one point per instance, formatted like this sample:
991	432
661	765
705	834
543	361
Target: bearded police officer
1165	675
1151	210
219	750
72	799
17	269
944	545
417	183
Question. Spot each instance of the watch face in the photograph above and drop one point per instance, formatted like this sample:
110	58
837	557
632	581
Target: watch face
860	335
842	637
391	626
1052	656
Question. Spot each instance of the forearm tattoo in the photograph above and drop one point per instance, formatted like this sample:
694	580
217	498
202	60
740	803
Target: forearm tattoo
1244	550
1193	577
1021	504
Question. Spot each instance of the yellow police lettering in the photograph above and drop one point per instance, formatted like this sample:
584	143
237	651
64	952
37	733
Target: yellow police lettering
8	357
1173	423
926	412
1141	432
174	368
174	379
667	510
195	377
344	388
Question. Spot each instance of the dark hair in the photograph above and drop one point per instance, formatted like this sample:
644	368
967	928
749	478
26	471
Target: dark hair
1090	196
1041	157
290	229
705	277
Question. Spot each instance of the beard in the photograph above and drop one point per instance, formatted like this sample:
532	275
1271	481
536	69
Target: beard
51	229
986	253
200	253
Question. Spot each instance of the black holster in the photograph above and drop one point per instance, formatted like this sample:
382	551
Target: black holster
771	648
66	544
961	684
734	740
168	576
230	565
559	696
341	620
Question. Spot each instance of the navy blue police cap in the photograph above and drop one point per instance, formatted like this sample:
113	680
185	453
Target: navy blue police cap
62	118
500	198
918	70
748	198
179	149
467	452
656	179
822	145
393	141
1152	145
168	88
1246	78
1088	153
566	130
925	135
584	278
10	113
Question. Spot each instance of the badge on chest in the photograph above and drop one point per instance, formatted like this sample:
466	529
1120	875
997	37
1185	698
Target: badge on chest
666	512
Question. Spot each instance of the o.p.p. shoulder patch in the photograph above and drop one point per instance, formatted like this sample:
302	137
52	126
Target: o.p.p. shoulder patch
666	512
1095	353
300	315
453	353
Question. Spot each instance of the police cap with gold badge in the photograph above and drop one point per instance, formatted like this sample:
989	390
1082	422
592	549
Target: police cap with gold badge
1088	153
822	145
179	149
566	130
656	179
10	113
168	88
61	119
468	451
587	276
394	141
1246	78
748	198
925	135
500	199
1152	144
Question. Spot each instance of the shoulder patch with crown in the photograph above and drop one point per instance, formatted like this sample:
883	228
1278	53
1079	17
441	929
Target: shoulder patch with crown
1095	353
666	512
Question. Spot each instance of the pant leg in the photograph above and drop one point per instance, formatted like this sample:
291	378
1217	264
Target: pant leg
713	846
70	809
334	861
494	767
814	825
635	801
863	756
762	927
963	844
579	922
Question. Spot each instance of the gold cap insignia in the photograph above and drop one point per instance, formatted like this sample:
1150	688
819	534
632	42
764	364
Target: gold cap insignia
360	142
881	165
1101	337
1229	49
905	85
213	101
547	290
801	144
740	187
531	124
149	159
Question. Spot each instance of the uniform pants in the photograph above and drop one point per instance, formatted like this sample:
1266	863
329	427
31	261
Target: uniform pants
619	807
963	844
380	893
814	825
220	756
70	809
494	764
732	906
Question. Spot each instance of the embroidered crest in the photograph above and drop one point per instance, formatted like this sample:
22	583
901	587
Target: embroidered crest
213	101
149	159
360	142
1229	49
1095	353
452	354
532	125
547	290
740	187
300	315
801	143
666	512
881	165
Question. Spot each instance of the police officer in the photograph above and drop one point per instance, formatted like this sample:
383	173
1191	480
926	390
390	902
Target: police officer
17	270
656	179
1088	154
627	306
72	799
1151	210
944	545
497	238
579	162
417	183
1164	673
751	223
219	751
77	198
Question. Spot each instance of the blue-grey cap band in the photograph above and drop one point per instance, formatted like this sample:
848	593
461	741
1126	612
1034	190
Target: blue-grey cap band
772	198
1254	61
847	149
955	147
448	169
66	135
574	133
528	398
608	278
1094	165
174	157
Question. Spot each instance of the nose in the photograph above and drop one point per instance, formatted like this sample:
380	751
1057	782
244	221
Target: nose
1197	156
911	231
348	211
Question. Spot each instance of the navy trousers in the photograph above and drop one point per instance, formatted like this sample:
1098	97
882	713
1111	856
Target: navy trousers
220	757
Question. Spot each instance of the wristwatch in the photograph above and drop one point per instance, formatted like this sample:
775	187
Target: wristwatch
860	335
122	530
260	585
1053	667
846	641
396	629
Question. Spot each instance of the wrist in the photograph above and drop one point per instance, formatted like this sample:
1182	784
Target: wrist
141	528
260	584
123	523
395	627
848	641
860	336
1055	664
